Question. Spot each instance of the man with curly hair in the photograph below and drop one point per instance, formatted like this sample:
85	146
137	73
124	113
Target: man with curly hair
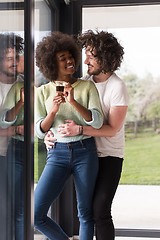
11	48
57	57
104	55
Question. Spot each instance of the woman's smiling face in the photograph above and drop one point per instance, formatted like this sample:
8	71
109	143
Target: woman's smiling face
66	63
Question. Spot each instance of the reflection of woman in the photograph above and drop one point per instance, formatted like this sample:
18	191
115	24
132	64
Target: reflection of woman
57	57
13	114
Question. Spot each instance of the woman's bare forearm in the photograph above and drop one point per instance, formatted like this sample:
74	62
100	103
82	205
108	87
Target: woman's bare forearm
11	114
84	112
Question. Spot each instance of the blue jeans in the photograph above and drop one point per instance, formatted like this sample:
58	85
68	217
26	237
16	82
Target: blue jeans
15	155
77	158
3	198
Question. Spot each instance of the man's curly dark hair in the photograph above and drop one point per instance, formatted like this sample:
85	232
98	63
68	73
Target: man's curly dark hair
10	40
106	48
48	48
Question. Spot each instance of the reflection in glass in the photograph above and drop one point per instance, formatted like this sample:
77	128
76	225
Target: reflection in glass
11	136
42	29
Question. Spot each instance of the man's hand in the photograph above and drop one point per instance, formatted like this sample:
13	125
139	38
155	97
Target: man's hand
69	129
10	131
20	130
49	140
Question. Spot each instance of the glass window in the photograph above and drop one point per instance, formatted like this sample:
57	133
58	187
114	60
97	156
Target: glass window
11	122
12	114
138	30
42	29
133	238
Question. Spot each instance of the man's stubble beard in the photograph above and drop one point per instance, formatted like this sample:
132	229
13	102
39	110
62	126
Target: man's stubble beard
10	74
94	72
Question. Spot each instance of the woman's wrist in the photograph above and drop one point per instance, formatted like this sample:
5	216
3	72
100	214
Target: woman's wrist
21	103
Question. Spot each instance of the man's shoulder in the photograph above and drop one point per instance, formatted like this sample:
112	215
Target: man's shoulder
87	77
118	87
116	81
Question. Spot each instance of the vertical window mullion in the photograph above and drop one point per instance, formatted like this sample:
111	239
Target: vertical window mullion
28	119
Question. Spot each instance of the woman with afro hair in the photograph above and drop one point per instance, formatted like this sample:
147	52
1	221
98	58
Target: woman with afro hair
104	55
57	57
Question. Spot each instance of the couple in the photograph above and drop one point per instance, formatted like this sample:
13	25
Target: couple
11	137
75	117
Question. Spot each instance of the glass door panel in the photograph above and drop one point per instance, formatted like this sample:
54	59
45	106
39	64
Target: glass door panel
11	121
138	29
42	29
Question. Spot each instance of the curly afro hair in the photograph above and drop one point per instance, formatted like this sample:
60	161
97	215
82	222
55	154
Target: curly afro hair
48	48
106	48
